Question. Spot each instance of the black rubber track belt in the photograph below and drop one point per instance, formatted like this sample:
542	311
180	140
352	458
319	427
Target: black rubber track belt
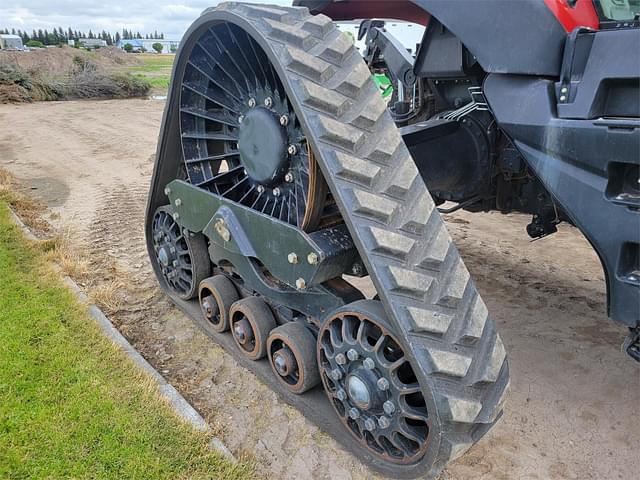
431	301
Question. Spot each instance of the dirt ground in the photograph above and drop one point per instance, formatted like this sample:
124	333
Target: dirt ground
572	409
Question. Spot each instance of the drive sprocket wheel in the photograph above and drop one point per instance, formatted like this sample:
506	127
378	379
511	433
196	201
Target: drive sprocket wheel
181	256
371	384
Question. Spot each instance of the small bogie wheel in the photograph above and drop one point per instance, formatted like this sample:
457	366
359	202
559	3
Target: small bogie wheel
251	321
181	256
292	353
371	384
216	295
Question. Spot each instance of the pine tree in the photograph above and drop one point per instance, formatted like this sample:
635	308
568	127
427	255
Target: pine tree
70	35
118	37
41	36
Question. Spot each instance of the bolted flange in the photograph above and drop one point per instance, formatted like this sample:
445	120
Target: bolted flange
384	422
383	384
370	424
369	364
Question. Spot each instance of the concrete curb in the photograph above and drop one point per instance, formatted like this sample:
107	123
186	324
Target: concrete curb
179	404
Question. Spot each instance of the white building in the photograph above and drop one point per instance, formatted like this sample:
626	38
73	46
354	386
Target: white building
146	45
10	42
90	43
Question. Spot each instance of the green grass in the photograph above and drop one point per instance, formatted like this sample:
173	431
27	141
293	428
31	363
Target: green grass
71	404
156	69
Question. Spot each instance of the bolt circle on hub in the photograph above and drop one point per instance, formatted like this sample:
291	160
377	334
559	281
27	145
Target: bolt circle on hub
183	260
251	321
291	349
375	392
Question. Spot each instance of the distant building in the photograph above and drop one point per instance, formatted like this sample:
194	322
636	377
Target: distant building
146	45
90	43
10	42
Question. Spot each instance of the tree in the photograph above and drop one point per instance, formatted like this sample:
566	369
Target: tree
118	37
173	48
157	47
128	47
34	44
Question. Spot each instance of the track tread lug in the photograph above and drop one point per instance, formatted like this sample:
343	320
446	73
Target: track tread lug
324	99
448	363
407	282
307	65
452	293
354	169
319	26
334	132
461	410
296	36
384	242
372	206
426	320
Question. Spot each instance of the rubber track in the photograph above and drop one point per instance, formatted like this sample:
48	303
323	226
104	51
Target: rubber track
418	272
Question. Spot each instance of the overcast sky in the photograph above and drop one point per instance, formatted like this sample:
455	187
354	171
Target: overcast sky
145	16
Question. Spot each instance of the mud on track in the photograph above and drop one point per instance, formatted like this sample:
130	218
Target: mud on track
572	410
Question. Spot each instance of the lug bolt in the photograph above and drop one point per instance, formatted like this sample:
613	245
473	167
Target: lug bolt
357	269
335	374
284	120
178	202
312	258
260	189
240	118
369	424
352	354
175	263
292	149
369	364
292	258
251	102
268	102
388	407
276	192
167	190
564	90
384	422
176	216
354	413
563	98
341	395
383	384
341	359
301	284
172	250
288	177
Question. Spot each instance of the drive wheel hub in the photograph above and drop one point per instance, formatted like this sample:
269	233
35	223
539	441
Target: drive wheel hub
262	143
371	384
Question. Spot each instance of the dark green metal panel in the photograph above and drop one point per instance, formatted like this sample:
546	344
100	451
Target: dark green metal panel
292	256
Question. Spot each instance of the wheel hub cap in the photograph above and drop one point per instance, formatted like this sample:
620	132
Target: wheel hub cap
359	392
164	256
262	144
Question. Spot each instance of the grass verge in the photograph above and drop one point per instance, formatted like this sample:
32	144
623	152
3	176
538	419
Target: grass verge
71	404
154	69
